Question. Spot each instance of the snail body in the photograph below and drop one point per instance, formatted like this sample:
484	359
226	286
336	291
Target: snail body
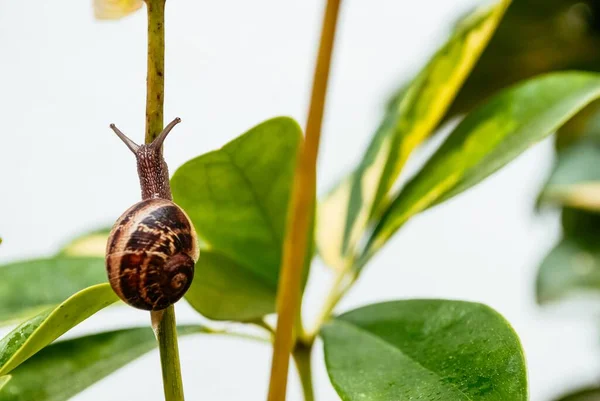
152	248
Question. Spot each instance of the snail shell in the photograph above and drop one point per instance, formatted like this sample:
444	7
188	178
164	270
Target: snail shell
151	253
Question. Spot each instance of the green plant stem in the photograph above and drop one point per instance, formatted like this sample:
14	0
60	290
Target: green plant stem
341	284
166	333
302	358
155	83
163	322
300	212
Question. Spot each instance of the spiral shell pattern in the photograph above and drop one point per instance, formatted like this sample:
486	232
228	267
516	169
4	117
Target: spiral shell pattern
151	253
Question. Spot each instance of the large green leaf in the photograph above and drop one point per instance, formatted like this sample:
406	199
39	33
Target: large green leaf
237	198
224	290
575	181
345	213
424	350
63	369
33	335
487	139
31	286
591	394
573	266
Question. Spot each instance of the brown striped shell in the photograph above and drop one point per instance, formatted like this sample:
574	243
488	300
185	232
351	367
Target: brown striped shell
150	254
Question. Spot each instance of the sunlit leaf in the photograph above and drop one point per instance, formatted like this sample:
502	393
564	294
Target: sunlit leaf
424	350
346	211
65	368
31	286
237	198
486	140
115	9
33	335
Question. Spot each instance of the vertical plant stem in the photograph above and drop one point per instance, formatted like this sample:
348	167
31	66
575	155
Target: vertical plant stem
155	93
163	322
300	213
302	357
165	329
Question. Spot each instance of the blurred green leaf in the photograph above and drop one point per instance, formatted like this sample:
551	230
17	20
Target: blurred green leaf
552	35
585	126
32	286
65	368
486	140
345	213
33	335
575	181
4	380
424	350
237	198
592	394
573	266
569	268
88	244
248	296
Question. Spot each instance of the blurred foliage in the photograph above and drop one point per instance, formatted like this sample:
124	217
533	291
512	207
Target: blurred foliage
535	37
591	394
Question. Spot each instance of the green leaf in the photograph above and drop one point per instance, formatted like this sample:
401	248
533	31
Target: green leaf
592	394
87	244
575	181
248	296
486	140
424	350
345	213
237	198
31	286
553	35
33	335
64	369
573	266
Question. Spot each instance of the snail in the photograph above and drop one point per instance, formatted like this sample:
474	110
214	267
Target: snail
152	248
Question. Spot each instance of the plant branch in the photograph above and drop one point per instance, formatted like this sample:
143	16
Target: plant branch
163	322
300	212
155	83
165	330
302	357
341	284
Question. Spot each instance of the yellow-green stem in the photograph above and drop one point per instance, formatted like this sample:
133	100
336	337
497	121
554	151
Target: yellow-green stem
163	322
165	329
302	358
300	213
155	83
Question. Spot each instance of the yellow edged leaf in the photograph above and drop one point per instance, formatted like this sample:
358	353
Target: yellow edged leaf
115	9
346	213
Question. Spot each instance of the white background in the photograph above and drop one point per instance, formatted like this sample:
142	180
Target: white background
230	64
